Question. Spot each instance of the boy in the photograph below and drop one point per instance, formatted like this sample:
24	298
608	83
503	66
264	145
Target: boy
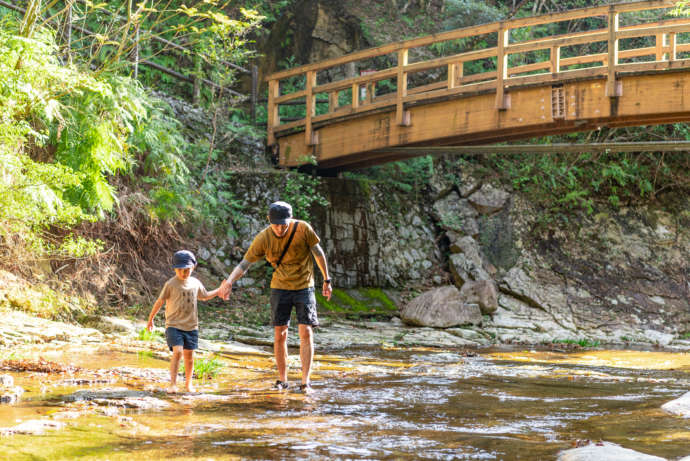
180	295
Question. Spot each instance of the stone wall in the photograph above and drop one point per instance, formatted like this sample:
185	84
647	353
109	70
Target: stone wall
372	234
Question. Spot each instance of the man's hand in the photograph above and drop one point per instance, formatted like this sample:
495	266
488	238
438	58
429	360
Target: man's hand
149	326
327	290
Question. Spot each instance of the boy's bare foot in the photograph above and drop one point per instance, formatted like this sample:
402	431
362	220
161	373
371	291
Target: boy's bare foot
172	389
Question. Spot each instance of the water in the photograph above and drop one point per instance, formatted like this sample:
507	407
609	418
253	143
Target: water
374	404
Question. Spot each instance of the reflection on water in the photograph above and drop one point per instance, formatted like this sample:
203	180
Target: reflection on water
382	404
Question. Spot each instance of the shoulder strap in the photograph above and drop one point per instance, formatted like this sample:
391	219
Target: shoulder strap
287	245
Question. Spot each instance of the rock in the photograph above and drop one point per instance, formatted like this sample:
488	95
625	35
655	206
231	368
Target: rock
482	292
32	427
11	396
456	214
467	264
679	406
488	199
605	451
6	381
442	308
119	397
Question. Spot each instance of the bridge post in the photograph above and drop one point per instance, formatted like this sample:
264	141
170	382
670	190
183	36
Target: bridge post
501	66
309	138
613	90
401	118
673	45
273	111
555	59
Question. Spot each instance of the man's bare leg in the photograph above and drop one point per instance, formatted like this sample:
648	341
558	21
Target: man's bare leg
188	369
174	367
306	351
281	352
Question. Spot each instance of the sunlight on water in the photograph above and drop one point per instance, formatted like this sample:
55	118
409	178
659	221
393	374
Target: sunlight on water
379	403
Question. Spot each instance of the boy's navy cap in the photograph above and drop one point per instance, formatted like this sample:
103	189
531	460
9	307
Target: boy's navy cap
183	259
279	212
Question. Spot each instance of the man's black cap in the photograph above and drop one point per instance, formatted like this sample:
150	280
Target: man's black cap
279	213
183	259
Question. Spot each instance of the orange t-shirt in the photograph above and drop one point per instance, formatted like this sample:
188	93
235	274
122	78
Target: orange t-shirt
296	271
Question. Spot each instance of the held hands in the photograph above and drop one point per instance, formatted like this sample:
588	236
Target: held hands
225	290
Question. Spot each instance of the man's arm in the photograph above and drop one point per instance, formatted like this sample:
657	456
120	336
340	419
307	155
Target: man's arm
239	270
320	258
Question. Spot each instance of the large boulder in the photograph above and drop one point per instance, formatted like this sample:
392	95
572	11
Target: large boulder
442	307
680	406
481	292
488	199
456	214
605	451
467	263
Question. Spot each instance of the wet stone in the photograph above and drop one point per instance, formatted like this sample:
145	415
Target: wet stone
32	427
119	397
679	406
605	451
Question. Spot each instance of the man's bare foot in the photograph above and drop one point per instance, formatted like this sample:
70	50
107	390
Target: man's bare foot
190	389
172	389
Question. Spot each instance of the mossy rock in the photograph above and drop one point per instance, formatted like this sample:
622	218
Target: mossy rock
358	302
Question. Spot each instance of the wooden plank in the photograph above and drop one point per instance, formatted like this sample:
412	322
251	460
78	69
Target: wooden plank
529	68
441	62
651	146
650	31
586	59
652	66
612	61
555	59
290	96
660	42
309	138
569	40
347	83
501	66
273	114
446	93
401	88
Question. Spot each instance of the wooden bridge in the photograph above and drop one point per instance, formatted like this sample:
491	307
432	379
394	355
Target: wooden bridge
531	88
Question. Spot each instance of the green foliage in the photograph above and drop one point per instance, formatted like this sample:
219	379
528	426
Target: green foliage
146	335
568	182
584	342
301	191
406	175
207	368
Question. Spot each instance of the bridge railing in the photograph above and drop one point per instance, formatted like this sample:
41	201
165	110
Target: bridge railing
555	69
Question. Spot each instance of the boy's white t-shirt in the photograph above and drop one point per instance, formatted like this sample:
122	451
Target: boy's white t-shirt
180	302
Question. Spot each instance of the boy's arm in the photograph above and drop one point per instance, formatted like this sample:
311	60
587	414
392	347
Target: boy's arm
156	307
210	294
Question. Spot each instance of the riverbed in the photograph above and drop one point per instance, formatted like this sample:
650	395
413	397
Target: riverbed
377	402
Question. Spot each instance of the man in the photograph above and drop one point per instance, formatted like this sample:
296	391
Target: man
287	244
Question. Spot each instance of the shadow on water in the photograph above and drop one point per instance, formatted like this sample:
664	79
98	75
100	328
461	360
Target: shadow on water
402	404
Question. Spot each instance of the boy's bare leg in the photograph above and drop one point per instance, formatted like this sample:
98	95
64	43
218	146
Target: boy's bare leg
280	351
306	351
174	367
188	369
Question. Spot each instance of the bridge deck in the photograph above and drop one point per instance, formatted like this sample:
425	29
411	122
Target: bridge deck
551	89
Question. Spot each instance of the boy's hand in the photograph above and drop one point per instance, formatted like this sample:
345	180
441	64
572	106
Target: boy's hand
225	290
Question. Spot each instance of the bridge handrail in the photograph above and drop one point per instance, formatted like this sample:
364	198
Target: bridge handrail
665	50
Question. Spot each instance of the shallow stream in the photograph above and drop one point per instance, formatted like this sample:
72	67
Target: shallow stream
374	403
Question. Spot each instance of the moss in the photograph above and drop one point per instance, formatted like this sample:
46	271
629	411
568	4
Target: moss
372	302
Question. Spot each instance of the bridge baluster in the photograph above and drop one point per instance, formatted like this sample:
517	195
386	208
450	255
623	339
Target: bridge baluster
400	116
309	136
273	110
612	88
501	66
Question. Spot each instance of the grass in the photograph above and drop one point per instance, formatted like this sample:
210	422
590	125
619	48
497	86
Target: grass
584	342
146	335
206	368
685	335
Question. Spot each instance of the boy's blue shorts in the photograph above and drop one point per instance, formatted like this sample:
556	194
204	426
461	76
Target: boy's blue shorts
189	340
